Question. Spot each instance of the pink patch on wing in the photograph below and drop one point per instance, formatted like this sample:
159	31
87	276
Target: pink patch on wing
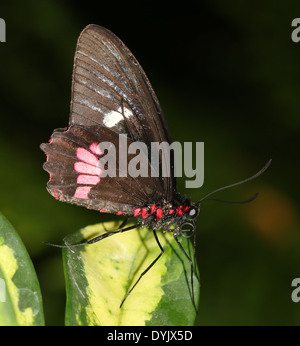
171	211
86	156
89	170
88	179
120	212
103	211
82	192
82	167
55	194
95	148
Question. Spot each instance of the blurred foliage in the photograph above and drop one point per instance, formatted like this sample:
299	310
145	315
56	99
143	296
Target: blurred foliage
21	303
226	73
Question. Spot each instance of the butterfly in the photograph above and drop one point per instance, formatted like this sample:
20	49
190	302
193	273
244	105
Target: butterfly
112	96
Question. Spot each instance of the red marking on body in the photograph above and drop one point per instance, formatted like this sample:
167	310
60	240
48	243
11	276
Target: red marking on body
95	148
88	179
179	210
120	212
103	211
186	208
137	211
171	211
159	213
152	208
144	213
82	192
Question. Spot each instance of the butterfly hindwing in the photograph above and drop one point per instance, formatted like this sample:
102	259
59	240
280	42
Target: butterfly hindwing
76	172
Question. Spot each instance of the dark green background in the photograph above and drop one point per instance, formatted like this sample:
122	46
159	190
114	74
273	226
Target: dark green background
226	74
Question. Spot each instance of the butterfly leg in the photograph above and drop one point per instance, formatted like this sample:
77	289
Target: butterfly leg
96	239
149	267
194	255
126	221
192	269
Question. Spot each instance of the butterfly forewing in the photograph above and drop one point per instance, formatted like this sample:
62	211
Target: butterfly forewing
111	89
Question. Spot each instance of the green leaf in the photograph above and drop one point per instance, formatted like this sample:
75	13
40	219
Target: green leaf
20	296
99	275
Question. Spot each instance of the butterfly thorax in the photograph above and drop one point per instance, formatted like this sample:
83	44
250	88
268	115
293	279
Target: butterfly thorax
168	215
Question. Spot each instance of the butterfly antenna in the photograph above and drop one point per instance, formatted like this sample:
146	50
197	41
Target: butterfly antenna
238	183
233	202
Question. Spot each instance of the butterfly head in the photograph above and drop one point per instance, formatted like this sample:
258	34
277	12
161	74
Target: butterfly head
187	226
193	212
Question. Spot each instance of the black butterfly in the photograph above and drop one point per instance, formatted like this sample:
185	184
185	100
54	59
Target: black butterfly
111	95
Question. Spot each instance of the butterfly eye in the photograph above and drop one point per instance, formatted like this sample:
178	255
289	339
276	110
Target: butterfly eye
192	213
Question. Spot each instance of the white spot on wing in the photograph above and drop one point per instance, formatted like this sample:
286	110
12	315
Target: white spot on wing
112	118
